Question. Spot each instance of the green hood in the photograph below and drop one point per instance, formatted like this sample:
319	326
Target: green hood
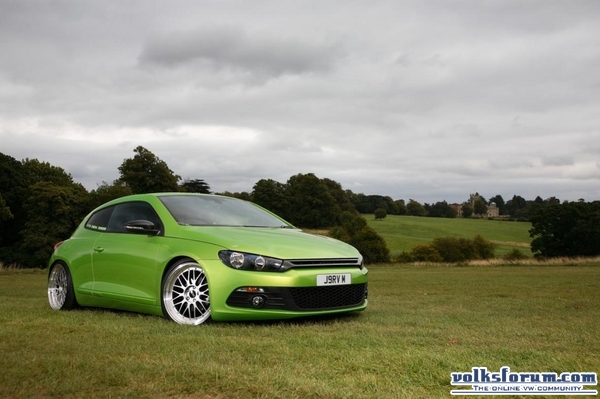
279	243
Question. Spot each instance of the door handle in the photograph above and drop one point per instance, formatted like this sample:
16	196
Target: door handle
98	249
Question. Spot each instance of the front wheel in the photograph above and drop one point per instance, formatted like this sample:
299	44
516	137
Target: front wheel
61	295
185	298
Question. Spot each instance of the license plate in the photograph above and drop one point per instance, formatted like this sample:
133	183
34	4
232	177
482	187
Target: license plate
334	279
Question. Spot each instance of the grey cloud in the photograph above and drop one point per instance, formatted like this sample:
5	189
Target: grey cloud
426	100
558	160
238	50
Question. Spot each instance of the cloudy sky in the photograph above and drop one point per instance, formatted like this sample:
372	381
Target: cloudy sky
429	100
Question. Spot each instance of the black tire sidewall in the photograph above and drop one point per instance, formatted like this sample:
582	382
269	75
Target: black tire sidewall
70	300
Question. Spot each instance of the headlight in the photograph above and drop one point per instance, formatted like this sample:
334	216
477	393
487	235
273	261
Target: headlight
244	261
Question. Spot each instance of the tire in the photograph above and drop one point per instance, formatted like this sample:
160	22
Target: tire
184	293
61	295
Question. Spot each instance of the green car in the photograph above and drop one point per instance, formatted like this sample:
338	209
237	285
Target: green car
191	257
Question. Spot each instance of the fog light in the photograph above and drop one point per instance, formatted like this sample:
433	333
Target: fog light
258	301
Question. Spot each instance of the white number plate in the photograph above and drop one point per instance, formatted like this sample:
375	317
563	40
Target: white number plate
334	279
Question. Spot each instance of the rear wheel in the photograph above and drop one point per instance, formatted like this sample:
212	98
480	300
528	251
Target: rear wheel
61	295
184	294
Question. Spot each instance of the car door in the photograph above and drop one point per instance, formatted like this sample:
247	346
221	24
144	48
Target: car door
124	264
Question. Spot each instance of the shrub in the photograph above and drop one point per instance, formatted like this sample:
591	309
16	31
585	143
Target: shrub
371	246
354	231
451	250
425	253
404	257
485	249
515	254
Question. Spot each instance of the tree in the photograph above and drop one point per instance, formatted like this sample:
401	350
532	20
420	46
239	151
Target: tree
467	210
108	192
16	182
362	203
569	229
441	209
401	207
480	208
384	202
337	192
414	208
517	207
311	203
380	214
195	186
146	173
42	171
5	213
13	189
53	213
535	205
272	195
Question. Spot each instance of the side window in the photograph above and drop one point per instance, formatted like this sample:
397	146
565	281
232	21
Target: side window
129	211
99	220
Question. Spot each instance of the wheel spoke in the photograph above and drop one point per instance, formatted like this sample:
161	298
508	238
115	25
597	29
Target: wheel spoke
57	287
185	294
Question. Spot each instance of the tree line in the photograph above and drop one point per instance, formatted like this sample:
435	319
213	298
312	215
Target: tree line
41	204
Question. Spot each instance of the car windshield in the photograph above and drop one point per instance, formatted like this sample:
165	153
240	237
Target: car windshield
197	210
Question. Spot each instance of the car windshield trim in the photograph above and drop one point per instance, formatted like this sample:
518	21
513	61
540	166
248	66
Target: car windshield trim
213	210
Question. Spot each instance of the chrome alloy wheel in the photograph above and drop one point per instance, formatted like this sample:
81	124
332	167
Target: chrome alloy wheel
58	285
185	294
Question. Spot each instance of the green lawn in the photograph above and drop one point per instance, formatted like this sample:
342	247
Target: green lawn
422	323
402	233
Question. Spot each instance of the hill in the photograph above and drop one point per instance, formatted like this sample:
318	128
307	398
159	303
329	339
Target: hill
402	233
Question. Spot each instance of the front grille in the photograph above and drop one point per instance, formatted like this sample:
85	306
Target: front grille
328	262
324	262
338	296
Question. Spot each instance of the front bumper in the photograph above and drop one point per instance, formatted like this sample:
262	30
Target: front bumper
289	294
300	299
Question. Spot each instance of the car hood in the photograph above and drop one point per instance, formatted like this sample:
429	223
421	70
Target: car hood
275	242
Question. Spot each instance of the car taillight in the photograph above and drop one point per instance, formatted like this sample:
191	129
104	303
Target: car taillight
58	244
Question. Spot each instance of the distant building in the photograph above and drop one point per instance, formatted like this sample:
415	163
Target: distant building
458	209
492	210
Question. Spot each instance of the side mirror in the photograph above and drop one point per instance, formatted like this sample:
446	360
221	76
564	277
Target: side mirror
141	227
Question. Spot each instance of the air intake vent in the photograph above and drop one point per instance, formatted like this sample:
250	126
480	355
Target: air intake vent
340	296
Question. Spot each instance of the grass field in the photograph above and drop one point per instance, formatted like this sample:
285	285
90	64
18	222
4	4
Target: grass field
422	323
402	233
